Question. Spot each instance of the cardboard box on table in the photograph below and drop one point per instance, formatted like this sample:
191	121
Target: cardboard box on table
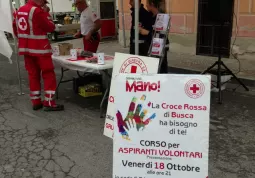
62	49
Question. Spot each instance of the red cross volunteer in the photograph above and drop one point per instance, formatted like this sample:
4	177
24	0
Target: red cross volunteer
90	24
31	25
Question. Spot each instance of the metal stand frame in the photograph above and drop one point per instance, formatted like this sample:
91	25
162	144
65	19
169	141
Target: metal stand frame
106	93
123	23
156	34
137	8
108	78
62	81
219	64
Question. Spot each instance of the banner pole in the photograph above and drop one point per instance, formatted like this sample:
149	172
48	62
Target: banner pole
18	4
16	52
123	24
137	27
54	17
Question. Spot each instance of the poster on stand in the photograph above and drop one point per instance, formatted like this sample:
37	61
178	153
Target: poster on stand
157	46
162	22
161	126
126	63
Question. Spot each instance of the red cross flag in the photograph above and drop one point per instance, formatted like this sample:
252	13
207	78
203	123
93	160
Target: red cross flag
6	26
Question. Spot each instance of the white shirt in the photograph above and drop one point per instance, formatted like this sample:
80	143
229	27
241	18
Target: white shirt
88	17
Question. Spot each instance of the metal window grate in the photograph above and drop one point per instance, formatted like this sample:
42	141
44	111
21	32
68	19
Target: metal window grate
107	10
208	33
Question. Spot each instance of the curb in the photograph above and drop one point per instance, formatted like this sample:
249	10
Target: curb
248	82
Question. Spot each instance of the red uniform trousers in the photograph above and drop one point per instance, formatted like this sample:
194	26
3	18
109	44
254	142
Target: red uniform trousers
91	45
37	66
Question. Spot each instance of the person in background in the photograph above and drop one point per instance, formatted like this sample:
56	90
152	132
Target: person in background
145	23
153	6
90	24
47	10
31	26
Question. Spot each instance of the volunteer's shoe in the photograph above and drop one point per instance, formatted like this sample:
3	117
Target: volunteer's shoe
57	107
37	107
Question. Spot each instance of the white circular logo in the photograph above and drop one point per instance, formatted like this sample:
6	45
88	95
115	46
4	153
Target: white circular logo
133	65
195	88
22	24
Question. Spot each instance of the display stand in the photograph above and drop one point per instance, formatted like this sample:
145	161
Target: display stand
161	30
220	65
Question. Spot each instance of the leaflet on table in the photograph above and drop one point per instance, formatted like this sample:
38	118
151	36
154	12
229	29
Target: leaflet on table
125	63
162	126
74	54
100	58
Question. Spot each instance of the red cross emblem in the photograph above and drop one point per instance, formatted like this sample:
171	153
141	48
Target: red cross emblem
133	65
133	69
22	24
194	88
111	99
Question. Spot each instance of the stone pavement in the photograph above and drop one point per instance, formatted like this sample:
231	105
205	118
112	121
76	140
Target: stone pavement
55	145
70	144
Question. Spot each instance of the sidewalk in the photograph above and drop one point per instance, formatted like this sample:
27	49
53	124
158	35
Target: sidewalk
184	63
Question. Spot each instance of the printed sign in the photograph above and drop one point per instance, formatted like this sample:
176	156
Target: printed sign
74	53
125	63
56	51
157	46
162	22
162	126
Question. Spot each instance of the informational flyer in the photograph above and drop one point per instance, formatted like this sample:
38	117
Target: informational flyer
157	46
161	126
162	22
126	63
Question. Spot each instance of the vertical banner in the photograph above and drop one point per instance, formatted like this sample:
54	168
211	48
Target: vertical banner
161	126
6	16
126	63
6	26
5	48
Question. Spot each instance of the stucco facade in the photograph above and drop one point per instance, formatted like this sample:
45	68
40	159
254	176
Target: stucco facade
183	32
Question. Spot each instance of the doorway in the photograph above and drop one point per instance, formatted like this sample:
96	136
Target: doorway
208	32
108	18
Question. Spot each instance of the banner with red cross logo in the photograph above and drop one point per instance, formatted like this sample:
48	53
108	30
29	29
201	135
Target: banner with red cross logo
161	128
126	63
22	23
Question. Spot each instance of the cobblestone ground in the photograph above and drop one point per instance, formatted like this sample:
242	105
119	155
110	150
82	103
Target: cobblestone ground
232	141
65	144
31	154
70	144
27	152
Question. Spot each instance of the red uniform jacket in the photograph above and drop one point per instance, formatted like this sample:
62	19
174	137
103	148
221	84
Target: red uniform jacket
31	26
